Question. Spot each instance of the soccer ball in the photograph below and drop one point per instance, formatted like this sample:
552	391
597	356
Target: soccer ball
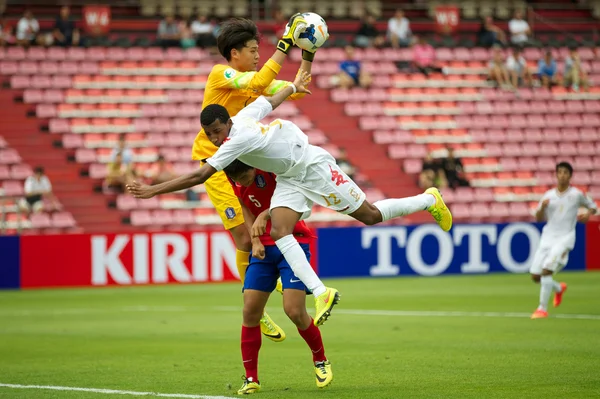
315	34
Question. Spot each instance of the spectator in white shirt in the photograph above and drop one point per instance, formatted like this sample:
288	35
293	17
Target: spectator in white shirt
517	68
519	29
27	30
203	31
399	31
37	189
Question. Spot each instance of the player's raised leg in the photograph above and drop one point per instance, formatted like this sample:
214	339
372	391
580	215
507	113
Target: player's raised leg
283	220
294	304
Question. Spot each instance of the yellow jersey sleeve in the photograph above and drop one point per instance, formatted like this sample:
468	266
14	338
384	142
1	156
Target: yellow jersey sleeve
225	77
277	85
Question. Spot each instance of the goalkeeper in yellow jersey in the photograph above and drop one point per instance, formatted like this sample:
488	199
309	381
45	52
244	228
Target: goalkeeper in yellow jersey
234	86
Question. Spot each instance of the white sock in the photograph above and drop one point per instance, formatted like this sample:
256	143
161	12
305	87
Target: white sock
556	286
545	291
395	207
295	256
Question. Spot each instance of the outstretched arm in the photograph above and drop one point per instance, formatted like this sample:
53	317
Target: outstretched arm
298	86
190	180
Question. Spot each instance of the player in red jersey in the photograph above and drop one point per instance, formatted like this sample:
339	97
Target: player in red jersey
254	189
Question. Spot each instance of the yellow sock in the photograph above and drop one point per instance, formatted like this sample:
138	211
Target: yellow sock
242	259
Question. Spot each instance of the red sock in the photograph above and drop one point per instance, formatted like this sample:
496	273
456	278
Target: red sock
312	336
251	341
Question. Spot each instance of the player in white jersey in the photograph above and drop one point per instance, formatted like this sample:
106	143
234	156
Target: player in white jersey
559	207
306	174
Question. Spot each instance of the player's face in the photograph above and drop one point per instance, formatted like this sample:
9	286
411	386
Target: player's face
563	176
245	179
248	57
217	131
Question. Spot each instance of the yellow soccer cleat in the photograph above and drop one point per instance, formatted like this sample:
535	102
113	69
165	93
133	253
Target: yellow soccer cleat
271	330
249	387
323	373
323	305
439	210
279	286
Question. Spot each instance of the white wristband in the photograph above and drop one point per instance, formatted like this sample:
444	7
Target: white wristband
293	88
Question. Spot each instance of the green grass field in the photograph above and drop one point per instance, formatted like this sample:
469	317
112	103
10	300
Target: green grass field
443	337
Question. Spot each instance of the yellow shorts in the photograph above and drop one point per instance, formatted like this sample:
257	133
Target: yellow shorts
224	200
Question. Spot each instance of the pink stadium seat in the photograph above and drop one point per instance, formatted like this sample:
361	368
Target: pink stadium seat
126	202
28	68
72	141
45	111
480	211
4	172
512	149
483	194
8	68
96	54
464	194
586	149
548	149
9	156
519	209
15	53
20	82
140	218
12	188
521	107
161	217
515	135
184	216
76	54
582	177
557	107
69	68
53	96
41	82
412	166
84	155
546	164
40	221
583	163
499	210
56	53
20	171
460	211
59	126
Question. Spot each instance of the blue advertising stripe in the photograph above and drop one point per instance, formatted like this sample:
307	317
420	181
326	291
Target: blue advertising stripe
10	261
428	251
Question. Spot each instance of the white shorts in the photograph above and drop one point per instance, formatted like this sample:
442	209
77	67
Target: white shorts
551	256
323	183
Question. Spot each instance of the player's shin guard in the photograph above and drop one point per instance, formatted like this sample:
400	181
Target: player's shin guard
242	259
295	256
545	291
395	207
251	341
312	336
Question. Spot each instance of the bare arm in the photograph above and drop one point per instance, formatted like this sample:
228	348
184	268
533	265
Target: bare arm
189	180
299	86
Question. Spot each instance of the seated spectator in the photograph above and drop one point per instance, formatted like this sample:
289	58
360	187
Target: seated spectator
368	35
27	30
489	34
121	148
65	33
37	190
168	32
344	164
399	32
203	31
430	175
424	57
574	75
497	70
453	170
160	172
517	68
6	36
351	73
519	29
119	173
547	70
187	37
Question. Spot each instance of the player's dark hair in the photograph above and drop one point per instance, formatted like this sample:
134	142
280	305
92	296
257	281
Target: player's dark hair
38	170
565	165
234	34
236	168
213	112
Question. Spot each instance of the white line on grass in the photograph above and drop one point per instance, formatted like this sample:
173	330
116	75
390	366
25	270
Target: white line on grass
114	391
423	313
